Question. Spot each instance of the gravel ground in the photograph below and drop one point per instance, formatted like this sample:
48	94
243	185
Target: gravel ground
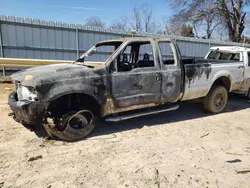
183	148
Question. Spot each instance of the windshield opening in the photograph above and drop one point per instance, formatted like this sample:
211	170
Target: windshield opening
100	52
223	55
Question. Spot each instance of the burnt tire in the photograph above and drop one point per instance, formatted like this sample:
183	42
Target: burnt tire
216	100
72	126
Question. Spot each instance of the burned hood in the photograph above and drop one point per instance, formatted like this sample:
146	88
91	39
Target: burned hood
53	73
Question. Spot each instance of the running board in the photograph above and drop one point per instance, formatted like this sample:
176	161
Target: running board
139	114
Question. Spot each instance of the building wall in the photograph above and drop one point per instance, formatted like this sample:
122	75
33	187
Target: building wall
38	39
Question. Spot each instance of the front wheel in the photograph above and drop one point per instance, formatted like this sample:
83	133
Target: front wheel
71	126
216	100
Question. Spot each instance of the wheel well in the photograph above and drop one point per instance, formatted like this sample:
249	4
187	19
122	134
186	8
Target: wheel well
223	81
73	102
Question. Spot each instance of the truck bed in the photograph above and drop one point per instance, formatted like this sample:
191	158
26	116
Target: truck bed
200	74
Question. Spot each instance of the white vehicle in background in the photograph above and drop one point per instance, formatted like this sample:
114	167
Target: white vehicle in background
241	54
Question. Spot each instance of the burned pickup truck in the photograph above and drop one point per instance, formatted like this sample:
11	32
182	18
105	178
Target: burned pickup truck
122	79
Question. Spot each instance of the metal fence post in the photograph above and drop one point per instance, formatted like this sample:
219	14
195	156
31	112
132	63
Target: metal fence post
1	45
77	43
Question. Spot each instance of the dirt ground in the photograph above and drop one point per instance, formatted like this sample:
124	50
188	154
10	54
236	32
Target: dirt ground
183	148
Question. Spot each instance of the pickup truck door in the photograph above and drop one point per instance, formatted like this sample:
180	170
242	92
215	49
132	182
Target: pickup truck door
172	74
142	84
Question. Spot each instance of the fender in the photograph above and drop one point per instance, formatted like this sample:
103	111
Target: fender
222	73
60	89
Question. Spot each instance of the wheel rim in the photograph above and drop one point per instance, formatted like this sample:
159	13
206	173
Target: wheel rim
74	126
77	122
219	100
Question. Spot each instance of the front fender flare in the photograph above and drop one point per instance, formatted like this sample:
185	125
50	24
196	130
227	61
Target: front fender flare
61	90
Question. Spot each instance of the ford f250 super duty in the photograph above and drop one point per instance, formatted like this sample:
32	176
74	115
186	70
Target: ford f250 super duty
125	78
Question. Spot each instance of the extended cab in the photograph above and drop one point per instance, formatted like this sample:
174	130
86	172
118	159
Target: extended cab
121	79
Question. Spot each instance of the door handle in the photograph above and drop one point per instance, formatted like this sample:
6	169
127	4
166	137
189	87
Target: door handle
241	67
136	87
169	84
158	77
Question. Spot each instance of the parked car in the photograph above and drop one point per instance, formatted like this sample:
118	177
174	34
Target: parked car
138	76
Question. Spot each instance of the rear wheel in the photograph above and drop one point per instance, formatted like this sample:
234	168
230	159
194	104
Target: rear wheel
216	100
71	126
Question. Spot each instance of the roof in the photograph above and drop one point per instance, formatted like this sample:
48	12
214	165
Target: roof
231	48
134	38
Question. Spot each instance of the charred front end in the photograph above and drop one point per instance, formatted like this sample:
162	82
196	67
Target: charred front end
38	88
26	108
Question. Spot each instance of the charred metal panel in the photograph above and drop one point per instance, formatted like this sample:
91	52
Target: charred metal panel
139	86
196	79
53	81
171	82
199	77
172	73
197	82
196	71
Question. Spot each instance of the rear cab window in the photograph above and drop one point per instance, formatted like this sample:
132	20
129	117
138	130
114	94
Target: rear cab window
224	55
166	53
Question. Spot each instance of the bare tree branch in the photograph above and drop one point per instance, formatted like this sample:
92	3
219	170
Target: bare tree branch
95	22
213	13
143	19
148	23
136	25
121	24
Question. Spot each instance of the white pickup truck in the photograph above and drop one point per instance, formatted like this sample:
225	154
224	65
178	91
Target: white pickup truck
240	75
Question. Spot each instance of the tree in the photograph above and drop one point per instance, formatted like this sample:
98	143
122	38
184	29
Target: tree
247	30
170	25
95	21
147	15
200	14
136	24
187	31
245	39
234	17
143	19
208	17
165	26
175	26
213	13
121	24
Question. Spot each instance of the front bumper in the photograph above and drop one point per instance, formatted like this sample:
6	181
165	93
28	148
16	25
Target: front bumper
27	112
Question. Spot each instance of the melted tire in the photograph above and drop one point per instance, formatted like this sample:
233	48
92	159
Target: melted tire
69	133
210	102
